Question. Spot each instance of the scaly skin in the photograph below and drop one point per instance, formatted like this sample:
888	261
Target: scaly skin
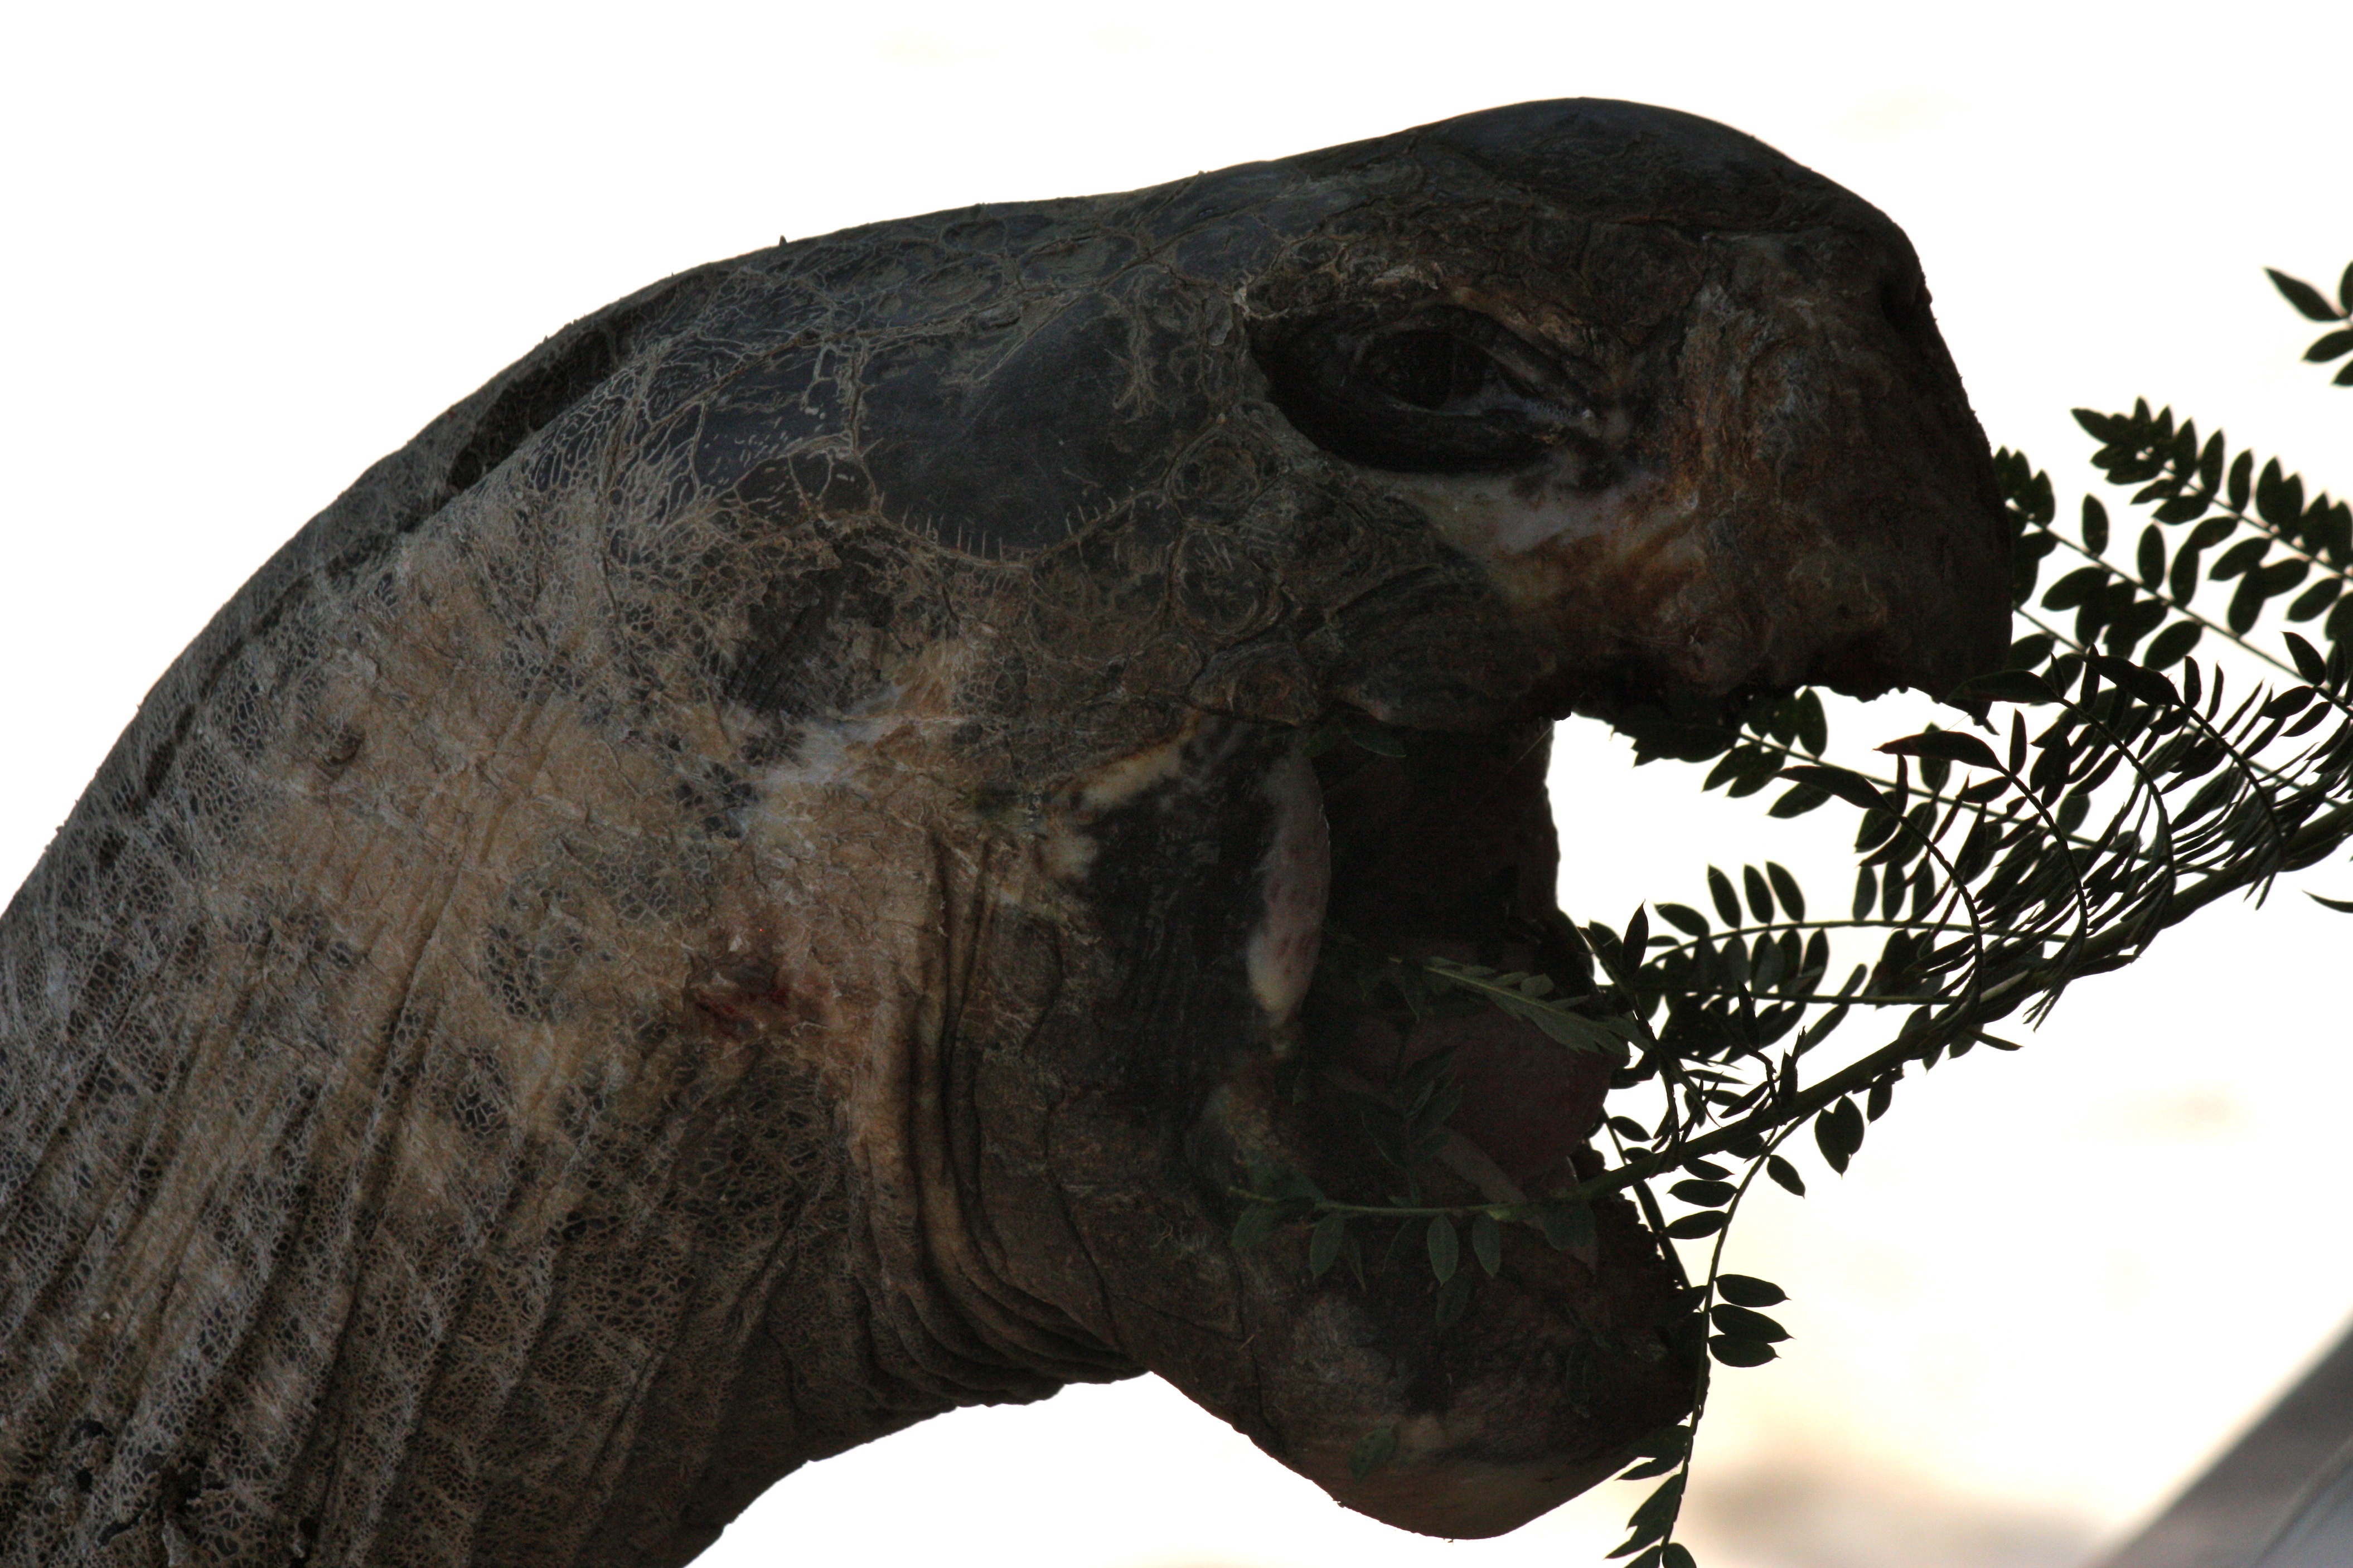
752	884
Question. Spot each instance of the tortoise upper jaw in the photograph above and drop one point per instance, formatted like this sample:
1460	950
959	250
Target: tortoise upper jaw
1805	499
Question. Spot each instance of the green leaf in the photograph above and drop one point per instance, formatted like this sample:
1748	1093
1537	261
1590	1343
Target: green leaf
2331	345
2081	587
1692	1227
1760	895
1373	1450
2144	684
2342	906
1675	1555
1706	1194
2306	298
1743	1324
1851	788
1685	918
1733	1352
2095	525
2182	588
2314	599
1838	1130
1257	1221
2173	644
2345	290
1950	745
1747	1290
2002	686
2279	497
2308	662
1487	1242
2240	471
1636	1541
1727	903
2215	530
2281	575
1784	1175
1813	725
1324	1242
1444	1246
2028	652
1661	1506
1670	1442
1866	892
2245	556
1793	897
2287	704
1637	940
2246	605
1455	1297
2152	557
1797	801
1570	1229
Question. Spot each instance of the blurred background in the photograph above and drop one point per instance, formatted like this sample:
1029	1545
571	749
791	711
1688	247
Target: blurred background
254	248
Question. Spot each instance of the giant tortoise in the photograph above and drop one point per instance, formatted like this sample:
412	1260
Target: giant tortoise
762	878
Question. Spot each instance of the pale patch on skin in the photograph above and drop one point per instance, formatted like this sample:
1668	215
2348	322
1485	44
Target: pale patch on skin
1610	570
1066	850
1496	519
829	756
1117	783
1296	878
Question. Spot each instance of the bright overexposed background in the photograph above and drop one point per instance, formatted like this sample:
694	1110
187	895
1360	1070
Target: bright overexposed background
249	250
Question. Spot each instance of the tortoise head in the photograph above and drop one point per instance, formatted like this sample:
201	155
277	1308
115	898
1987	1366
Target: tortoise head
1557	407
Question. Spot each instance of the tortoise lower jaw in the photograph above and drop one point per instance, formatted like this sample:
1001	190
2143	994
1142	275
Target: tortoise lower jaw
1529	1389
1466	1499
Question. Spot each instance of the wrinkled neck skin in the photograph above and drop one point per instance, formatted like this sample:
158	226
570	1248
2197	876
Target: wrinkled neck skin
481	1132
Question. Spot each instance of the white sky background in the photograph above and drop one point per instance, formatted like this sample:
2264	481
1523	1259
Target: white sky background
249	251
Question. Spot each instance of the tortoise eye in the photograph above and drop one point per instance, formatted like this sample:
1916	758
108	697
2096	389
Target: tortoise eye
1426	368
1438	390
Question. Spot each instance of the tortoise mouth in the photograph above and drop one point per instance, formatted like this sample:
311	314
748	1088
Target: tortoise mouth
1442	848
1449	852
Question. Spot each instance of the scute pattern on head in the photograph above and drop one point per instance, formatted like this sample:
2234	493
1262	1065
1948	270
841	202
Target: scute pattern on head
754	883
